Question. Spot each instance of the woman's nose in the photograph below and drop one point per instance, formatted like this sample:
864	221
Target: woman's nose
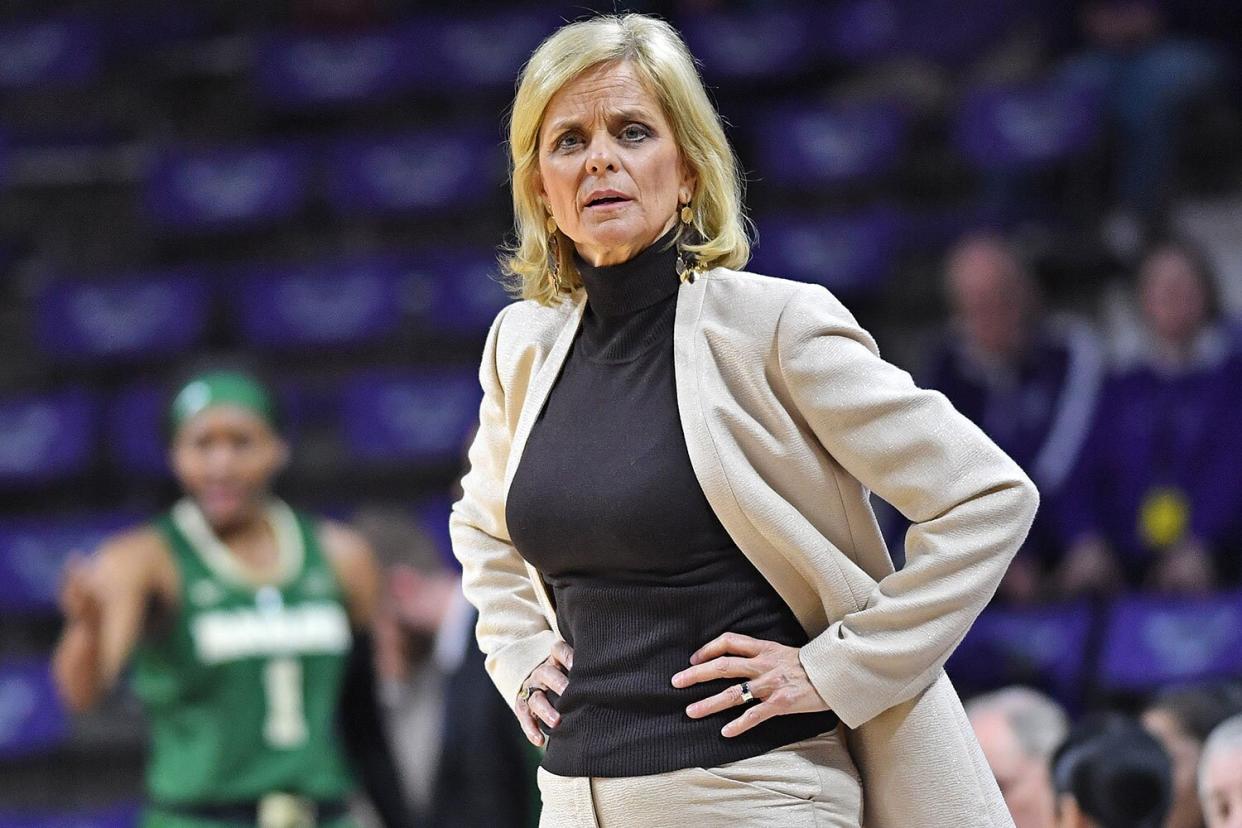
601	158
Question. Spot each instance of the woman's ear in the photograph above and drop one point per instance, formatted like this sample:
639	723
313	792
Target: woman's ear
689	180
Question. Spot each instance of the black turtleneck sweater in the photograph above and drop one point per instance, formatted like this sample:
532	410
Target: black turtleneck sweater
606	505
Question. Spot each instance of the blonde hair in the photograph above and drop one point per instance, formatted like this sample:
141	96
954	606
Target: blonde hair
662	60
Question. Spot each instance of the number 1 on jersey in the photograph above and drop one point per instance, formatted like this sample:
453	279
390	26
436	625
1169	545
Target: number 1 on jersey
285	726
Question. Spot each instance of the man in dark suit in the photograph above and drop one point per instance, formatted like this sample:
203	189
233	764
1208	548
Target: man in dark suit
462	757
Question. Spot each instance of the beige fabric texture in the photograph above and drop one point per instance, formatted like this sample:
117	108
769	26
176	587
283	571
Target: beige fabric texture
791	417
812	783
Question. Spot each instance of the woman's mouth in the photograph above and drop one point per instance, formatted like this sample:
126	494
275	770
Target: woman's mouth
604	201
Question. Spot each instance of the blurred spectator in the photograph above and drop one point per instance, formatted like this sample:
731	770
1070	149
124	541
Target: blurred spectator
1018	729
462	757
1027	380
1220	776
1110	773
1181	719
1146	78
1157	497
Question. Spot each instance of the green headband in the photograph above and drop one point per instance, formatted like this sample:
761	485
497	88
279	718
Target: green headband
222	388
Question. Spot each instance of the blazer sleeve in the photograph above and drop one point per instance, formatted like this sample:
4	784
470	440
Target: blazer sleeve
512	631
970	505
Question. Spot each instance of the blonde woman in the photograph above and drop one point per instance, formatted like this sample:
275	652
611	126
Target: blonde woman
665	527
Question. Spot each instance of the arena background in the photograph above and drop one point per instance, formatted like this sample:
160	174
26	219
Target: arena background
320	186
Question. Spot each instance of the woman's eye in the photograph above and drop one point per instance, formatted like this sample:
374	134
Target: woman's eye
567	141
634	132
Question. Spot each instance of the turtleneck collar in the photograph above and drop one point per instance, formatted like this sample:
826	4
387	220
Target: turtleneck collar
620	289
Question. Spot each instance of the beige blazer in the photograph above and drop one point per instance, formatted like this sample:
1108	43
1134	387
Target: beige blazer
791	418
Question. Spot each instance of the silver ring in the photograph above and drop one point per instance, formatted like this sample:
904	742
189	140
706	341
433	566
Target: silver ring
747	696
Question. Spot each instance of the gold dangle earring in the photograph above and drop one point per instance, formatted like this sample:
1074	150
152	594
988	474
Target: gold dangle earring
554	255
687	262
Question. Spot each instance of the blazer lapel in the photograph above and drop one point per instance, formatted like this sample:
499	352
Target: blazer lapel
536	395
701	445
539	388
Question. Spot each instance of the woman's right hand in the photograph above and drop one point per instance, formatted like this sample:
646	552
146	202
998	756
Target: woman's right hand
533	706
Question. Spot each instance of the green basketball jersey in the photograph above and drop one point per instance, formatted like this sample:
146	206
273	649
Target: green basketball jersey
242	689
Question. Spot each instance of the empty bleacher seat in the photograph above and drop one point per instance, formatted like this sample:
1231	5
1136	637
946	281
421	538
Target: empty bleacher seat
1026	126
158	314
136	438
32	720
756	43
1041	646
226	188
34	550
118	816
811	145
325	302
850	254
418	416
486	52
295	71
46	437
49	53
1152	641
425	170
948	32
452	291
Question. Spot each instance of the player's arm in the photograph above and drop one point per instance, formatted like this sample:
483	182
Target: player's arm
104	599
362	727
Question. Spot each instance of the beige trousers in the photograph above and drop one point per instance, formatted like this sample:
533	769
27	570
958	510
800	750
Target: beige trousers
811	783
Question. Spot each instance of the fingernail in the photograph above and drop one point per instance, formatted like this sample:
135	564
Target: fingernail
676	680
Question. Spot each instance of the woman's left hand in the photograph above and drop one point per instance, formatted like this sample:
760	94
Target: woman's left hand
772	672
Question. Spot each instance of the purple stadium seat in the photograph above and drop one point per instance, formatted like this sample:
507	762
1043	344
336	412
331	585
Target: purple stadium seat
226	188
1027	126
329	302
33	551
1044	646
158	314
414	172
943	31
49	53
118	816
860	29
32	720
811	146
419	416
296	71
46	437
452	291
757	43
135	429
1152	641
486	52
849	254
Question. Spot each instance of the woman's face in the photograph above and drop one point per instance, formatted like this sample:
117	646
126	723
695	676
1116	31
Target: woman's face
609	170
225	458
